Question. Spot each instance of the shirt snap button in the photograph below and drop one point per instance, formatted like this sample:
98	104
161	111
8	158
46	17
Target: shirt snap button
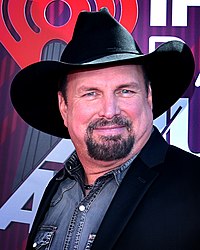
81	208
34	244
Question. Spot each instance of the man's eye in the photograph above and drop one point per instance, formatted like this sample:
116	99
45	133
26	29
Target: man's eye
126	92
90	94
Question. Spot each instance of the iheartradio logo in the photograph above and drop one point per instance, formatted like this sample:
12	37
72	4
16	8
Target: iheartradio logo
38	22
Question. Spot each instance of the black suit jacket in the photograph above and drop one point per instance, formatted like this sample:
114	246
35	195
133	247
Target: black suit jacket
156	207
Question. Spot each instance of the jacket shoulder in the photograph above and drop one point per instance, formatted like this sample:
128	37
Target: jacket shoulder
182	155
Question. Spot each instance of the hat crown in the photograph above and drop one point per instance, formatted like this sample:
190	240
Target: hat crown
98	34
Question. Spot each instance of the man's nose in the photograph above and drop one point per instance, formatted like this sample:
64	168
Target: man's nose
109	107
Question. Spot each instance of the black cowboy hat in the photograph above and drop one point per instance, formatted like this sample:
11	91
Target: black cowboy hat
99	40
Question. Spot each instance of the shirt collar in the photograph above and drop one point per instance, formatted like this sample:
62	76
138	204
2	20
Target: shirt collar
74	168
120	171
73	164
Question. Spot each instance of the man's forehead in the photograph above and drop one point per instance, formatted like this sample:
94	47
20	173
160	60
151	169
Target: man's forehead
114	75
103	67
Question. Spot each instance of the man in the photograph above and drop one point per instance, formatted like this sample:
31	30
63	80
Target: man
124	187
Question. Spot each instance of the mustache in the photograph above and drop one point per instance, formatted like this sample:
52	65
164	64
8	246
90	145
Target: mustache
117	120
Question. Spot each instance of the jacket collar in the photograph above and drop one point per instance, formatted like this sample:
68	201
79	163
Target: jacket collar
154	151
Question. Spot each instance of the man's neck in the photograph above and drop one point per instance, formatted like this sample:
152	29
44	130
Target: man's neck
94	169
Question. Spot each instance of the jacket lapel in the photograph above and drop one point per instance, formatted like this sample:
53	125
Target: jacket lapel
140	176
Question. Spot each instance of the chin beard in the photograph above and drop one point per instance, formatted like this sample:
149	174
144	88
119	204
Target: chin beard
109	148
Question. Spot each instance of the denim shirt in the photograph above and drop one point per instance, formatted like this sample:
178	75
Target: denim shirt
73	218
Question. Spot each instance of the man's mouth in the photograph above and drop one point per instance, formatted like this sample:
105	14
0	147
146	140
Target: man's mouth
110	130
114	127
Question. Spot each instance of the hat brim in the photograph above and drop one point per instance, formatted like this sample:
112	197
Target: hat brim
170	69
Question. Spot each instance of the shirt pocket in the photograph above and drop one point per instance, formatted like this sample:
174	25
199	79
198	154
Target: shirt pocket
44	237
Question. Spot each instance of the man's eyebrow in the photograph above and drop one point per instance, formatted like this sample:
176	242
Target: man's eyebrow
85	88
119	86
128	85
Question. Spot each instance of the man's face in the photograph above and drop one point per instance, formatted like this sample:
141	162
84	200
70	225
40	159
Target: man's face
108	111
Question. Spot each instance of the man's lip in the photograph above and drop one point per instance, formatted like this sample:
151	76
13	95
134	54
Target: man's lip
110	130
110	127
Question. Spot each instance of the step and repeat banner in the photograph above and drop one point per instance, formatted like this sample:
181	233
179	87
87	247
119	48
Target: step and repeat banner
39	30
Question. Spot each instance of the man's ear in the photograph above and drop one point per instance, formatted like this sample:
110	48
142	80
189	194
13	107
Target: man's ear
63	108
150	101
